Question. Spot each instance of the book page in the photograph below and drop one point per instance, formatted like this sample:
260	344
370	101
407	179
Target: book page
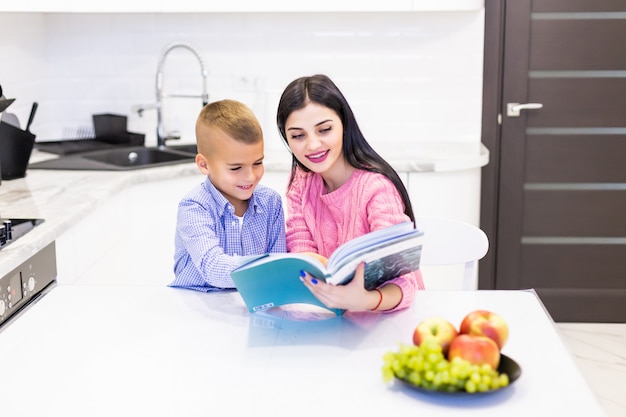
384	262
370	239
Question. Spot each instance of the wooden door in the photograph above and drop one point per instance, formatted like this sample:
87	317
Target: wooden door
554	198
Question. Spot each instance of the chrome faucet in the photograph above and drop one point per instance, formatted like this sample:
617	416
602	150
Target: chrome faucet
161	136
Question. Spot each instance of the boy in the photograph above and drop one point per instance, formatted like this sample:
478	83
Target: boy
229	214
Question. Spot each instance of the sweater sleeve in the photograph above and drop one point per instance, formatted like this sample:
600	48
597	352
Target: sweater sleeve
384	209
409	284
385	206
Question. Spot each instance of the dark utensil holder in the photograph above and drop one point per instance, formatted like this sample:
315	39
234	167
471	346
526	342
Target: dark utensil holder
111	128
16	146
108	124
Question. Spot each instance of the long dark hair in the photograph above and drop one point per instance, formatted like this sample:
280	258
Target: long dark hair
321	90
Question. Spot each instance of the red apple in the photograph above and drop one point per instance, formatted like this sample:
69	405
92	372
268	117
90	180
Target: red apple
477	350
485	323
436	328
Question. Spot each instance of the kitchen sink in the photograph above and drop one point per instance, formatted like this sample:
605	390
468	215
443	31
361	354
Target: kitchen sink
118	159
136	157
188	148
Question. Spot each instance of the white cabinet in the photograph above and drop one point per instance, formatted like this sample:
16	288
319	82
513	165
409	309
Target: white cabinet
91	239
449	194
129	239
73	6
209	6
320	5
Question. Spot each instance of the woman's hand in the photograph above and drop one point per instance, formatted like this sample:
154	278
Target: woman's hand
352	296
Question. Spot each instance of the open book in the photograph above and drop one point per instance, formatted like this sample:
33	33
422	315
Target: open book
271	280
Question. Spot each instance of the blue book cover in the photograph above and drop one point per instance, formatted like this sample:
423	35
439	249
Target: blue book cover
272	280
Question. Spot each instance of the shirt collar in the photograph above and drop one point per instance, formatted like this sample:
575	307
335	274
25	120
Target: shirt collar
223	204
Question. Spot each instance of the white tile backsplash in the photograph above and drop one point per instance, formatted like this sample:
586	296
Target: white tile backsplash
409	76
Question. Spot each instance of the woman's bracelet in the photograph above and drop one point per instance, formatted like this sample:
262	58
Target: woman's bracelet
380	300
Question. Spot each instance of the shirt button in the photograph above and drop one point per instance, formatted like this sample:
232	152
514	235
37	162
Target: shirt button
234	223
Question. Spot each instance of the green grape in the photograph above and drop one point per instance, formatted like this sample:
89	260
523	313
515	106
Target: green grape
495	383
450	388
434	357
486	380
481	387
504	380
470	386
415	378
437	380
442	365
387	374
429	376
475	377
445	377
485	369
416	363
426	366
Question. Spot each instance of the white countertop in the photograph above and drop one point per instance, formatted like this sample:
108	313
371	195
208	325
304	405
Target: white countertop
158	351
63	197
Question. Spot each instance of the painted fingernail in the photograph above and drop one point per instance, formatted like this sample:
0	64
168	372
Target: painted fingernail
302	274
313	281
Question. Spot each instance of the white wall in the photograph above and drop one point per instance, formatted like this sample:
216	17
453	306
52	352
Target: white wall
410	76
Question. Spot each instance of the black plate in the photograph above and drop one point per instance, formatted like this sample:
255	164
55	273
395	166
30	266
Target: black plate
507	366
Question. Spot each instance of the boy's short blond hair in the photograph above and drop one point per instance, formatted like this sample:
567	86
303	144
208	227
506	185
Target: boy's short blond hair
232	117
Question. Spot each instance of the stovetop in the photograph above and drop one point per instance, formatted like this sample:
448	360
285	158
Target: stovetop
12	229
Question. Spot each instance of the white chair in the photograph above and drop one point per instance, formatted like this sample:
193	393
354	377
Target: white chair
453	242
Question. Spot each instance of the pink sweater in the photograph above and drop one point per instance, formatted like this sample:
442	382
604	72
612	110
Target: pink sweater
320	222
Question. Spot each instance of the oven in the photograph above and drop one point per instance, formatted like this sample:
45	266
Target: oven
30	280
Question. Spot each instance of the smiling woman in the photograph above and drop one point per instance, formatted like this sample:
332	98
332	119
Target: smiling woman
315	136
339	189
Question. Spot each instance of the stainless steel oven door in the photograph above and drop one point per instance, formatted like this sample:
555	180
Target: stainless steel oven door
23	286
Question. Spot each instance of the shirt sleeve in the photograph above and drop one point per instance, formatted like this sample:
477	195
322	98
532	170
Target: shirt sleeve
276	239
198	234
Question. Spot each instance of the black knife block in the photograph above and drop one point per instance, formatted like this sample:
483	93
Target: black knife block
16	146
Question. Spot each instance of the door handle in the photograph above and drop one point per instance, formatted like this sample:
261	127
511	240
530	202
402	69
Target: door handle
513	109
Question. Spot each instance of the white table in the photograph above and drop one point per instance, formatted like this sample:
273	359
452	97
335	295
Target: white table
157	351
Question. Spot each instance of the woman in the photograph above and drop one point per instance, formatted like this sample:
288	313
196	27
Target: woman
339	189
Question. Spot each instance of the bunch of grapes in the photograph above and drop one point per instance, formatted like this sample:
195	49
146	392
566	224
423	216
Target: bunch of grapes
426	366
